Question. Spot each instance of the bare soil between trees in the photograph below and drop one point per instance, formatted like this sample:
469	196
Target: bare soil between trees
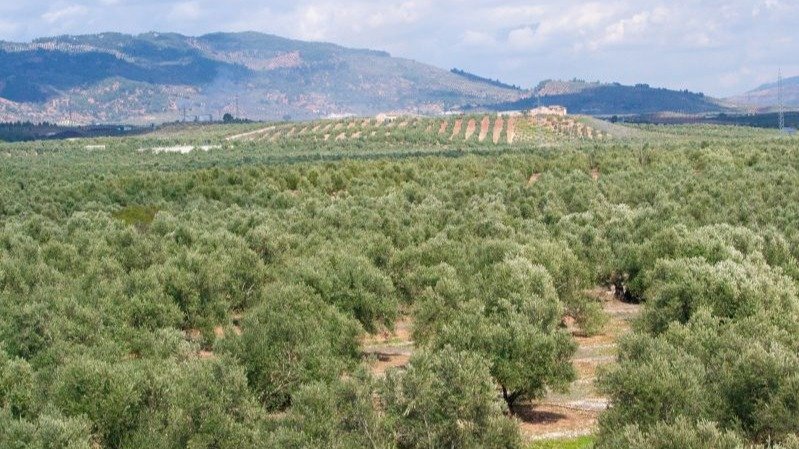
558	415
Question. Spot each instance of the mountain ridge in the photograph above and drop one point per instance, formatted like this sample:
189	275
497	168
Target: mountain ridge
160	77
605	99
764	97
168	76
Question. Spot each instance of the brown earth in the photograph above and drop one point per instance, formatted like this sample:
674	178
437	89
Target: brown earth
545	422
484	127
572	414
471	127
558	415
511	129
389	349
456	130
498	125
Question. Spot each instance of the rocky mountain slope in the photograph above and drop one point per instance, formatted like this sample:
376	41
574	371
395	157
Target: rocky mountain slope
159	77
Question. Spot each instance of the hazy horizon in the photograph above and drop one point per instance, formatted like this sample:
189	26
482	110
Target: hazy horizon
720	48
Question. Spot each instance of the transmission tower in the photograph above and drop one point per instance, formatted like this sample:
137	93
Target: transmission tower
780	102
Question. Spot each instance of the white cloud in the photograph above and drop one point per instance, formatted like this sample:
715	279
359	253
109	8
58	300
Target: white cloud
523	38
185	11
65	13
664	42
478	39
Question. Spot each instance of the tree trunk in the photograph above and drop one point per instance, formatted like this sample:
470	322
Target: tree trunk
510	398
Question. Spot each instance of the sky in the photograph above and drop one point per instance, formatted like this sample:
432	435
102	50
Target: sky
717	47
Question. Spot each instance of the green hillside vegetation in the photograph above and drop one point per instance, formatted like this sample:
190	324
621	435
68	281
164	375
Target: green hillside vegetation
608	99
219	297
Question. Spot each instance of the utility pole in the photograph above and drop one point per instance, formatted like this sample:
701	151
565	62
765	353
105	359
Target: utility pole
236	110
780	101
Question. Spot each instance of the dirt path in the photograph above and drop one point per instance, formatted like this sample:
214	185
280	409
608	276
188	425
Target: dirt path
485	125
575	413
389	349
443	128
498	125
567	415
471	127
511	129
456	130
250	134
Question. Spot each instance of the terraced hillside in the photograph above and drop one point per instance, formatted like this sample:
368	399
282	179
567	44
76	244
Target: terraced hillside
475	129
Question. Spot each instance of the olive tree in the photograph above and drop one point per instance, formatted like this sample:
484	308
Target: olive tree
446	398
516	326
291	339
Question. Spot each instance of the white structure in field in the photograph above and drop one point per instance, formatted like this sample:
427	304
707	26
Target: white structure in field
511	113
385	118
548	110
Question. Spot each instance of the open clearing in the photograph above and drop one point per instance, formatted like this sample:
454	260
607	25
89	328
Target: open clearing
182	149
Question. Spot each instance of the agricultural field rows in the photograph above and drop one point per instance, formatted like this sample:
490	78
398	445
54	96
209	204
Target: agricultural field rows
453	282
476	129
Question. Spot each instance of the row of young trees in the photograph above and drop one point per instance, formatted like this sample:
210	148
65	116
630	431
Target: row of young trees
212	300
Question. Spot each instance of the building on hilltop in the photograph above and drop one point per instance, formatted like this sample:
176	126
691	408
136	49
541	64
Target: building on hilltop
548	110
385	118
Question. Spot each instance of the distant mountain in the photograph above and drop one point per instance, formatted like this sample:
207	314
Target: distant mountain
158	77
765	96
581	97
480	79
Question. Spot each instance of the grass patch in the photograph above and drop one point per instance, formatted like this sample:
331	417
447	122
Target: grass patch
136	215
572	443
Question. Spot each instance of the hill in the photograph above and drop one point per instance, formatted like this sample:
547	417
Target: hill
463	131
581	97
765	96
156	77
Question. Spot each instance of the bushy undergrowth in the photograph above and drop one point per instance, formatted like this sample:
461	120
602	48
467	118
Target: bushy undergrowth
216	300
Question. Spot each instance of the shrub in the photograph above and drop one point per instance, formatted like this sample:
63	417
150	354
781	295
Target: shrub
49	430
516	327
682	434
447	399
293	338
